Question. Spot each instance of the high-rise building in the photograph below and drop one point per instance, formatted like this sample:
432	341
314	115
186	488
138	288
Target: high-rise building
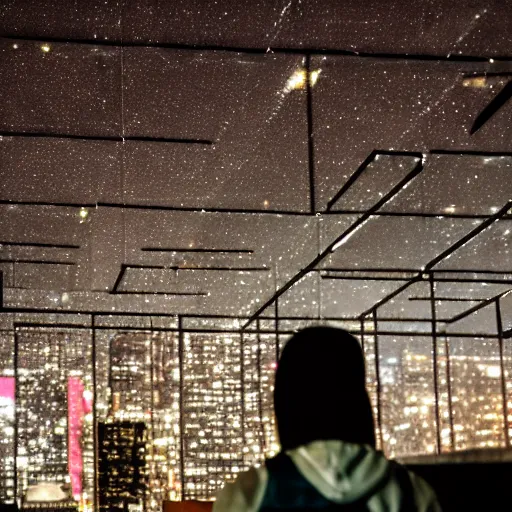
47	362
470	403
122	471
477	402
212	413
143	387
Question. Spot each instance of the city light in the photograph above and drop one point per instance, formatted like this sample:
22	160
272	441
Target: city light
184	410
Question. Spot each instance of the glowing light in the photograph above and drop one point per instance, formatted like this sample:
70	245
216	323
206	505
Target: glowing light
346	238
45	48
450	209
15	46
313	76
477	82
493	371
298	79
83	214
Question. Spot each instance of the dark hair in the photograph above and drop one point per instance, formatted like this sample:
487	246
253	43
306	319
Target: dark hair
320	390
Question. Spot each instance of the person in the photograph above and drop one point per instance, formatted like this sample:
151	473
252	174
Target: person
328	459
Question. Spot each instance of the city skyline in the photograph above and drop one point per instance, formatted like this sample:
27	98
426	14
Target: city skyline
228	424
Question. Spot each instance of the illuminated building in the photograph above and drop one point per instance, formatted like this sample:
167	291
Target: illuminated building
259	369
199	408
143	386
122	478
477	402
408	404
472	406
212	413
46	362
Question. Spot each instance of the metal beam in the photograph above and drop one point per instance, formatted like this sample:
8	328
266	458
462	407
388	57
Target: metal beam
340	239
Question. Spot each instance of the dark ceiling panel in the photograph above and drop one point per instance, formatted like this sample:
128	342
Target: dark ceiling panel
301	300
451	184
435	27
42	224
43	277
350	298
491	250
67	89
60	170
362	105
209	95
194	176
398	242
243	104
94	19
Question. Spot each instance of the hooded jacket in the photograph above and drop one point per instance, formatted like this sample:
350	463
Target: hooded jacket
328	476
325	426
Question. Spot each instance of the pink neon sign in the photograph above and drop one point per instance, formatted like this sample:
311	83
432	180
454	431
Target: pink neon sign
78	407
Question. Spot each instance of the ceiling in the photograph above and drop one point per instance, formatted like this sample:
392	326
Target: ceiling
170	157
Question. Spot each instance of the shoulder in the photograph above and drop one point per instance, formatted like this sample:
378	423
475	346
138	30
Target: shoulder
424	495
245	494
403	490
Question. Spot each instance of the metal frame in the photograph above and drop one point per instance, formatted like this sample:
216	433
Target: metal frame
90	324
417	275
263	50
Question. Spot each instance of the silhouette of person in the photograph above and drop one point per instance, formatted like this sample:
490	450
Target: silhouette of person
328	459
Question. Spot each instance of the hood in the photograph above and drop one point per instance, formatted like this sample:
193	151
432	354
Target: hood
319	391
342	472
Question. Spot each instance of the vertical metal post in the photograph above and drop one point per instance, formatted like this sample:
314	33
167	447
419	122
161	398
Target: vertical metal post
377	379
449	390
152	467
499	325
362	338
16	418
94	412
311	146
260	402
276	323
434	360
182	412
242	391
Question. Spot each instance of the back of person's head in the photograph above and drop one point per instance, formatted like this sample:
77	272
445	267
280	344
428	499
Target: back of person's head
320	390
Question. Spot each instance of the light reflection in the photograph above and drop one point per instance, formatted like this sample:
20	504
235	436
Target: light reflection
297	80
